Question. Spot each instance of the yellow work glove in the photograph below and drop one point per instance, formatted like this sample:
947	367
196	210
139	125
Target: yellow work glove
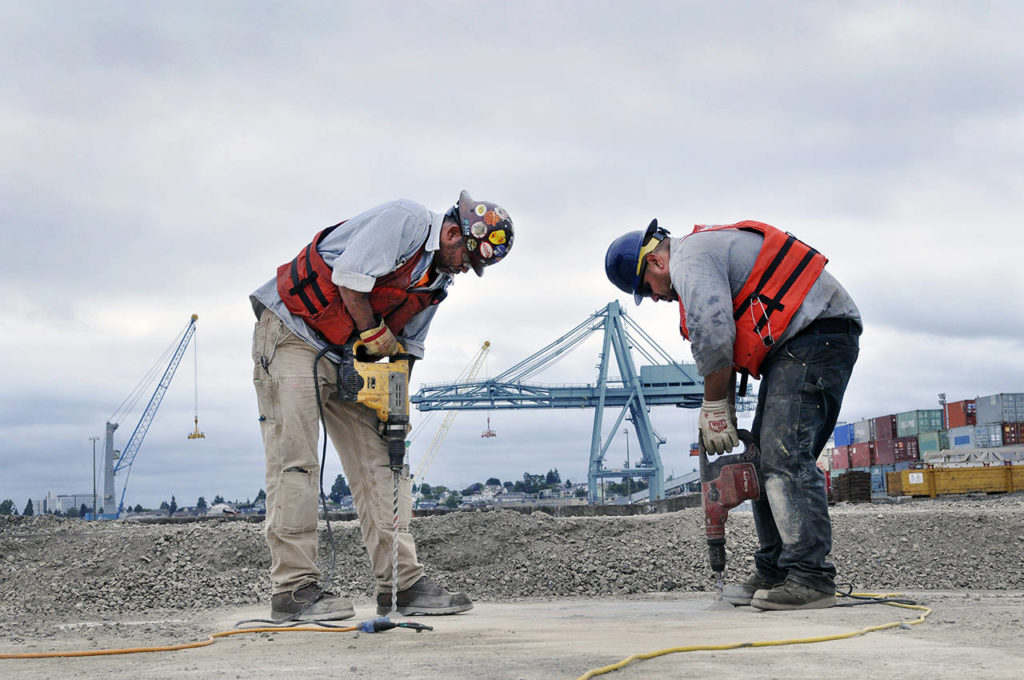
716	427
379	341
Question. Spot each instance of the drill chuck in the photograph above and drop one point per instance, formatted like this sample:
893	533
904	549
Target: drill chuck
716	554
395	433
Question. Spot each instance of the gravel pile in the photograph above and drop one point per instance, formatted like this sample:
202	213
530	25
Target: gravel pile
55	569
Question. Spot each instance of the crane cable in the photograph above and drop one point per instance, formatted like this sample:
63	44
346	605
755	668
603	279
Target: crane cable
196	434
870	598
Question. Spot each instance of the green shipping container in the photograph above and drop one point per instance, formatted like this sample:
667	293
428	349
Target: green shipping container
913	423
933	441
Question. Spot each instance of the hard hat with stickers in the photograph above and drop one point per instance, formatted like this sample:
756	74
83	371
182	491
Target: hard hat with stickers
488	231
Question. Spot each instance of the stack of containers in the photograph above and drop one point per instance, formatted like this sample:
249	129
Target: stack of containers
862	448
892	442
926	426
889	454
999	421
842	435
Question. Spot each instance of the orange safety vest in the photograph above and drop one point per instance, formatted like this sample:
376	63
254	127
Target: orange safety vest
306	289
783	273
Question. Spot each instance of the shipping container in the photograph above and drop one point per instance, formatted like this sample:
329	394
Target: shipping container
878	478
885	428
860	454
962	437
932	441
885	452
998	408
960	413
843	434
985	436
840	458
1013	434
863	431
988	435
905	449
913	423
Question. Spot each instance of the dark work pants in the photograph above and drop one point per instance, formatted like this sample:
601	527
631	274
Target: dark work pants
801	391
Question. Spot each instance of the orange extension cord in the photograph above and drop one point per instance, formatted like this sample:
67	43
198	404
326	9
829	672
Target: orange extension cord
172	648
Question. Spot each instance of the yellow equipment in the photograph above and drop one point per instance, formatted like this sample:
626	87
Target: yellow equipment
384	387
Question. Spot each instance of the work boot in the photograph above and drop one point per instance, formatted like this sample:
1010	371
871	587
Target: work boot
323	606
739	595
792	595
424	598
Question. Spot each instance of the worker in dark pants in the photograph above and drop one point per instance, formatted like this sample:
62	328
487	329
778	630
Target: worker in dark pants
757	301
377	277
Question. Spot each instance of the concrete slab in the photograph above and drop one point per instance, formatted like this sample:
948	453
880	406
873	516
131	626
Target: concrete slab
968	634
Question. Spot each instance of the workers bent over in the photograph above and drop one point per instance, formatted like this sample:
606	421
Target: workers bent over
757	300
378	277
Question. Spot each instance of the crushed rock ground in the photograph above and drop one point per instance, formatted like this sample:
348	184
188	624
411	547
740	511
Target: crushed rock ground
55	572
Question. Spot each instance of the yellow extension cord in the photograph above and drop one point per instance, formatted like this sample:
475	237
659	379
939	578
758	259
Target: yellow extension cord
589	674
770	643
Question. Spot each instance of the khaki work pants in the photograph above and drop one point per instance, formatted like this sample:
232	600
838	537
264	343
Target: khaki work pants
283	377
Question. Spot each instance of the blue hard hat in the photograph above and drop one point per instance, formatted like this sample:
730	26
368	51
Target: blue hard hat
623	262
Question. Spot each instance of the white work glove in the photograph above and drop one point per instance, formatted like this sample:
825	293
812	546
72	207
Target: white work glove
379	341
717	430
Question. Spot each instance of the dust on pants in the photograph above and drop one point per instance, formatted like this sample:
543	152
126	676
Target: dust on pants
798	403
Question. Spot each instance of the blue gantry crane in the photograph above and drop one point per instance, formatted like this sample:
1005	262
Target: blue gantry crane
662	382
114	461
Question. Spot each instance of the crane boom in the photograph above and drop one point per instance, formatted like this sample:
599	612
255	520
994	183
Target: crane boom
468	374
131	449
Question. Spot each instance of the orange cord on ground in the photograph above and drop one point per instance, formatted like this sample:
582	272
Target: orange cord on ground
172	648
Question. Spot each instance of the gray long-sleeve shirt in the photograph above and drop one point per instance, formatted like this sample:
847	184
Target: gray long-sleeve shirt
708	269
364	248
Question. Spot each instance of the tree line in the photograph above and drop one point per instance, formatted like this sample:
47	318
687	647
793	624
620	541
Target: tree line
530	484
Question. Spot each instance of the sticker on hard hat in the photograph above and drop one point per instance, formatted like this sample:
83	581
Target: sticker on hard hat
479	229
480	209
491	218
471	244
497	236
486	250
499	252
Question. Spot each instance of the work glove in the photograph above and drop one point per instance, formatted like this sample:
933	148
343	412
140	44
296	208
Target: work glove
717	430
379	341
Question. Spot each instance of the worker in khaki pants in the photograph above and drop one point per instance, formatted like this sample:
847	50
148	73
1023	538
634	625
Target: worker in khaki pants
373	277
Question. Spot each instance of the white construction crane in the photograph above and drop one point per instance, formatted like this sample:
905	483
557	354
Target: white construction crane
467	375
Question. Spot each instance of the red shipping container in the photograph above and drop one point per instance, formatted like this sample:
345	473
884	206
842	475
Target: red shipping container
841	458
1012	433
960	413
860	454
885	452
885	428
906	449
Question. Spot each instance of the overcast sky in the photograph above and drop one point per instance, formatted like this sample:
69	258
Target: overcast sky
162	159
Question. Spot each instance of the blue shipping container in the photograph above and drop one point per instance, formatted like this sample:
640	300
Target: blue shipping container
878	485
843	434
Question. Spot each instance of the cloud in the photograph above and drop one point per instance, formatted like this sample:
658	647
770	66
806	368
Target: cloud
164	162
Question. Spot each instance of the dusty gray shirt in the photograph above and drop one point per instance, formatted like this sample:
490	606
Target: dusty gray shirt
364	248
708	269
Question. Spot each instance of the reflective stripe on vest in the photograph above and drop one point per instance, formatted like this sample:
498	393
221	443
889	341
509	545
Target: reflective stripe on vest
783	273
306	288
